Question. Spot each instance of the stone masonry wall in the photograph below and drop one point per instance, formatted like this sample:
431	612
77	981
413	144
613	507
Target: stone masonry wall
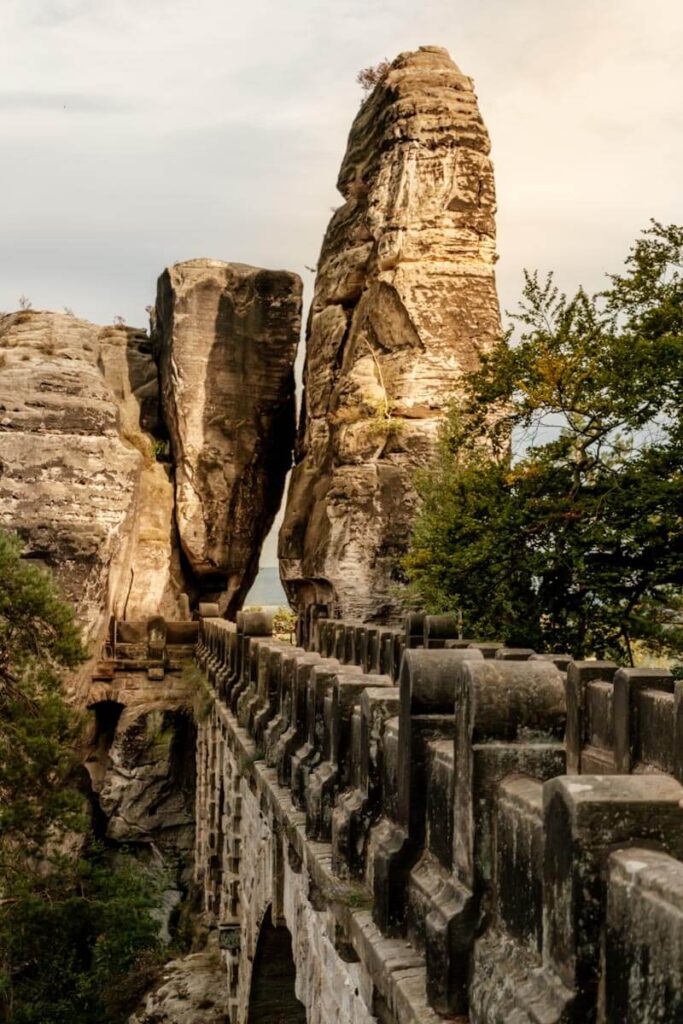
244	851
449	830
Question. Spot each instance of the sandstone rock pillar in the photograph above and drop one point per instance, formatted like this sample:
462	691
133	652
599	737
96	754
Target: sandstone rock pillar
404	305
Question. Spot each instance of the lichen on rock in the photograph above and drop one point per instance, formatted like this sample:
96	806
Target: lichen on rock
69	477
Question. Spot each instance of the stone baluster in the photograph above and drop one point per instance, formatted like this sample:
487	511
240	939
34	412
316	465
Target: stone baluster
281	720
438	629
308	755
585	819
426	711
509	719
295	733
360	807
333	771
643	961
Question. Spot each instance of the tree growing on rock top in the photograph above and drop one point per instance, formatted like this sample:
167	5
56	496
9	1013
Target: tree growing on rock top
371	76
552	515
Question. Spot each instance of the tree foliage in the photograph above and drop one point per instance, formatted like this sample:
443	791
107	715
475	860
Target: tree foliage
75	922
371	76
552	516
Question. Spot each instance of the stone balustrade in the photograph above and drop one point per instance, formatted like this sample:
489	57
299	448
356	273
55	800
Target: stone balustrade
469	830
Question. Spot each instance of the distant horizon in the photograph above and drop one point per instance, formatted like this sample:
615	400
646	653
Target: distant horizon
267	588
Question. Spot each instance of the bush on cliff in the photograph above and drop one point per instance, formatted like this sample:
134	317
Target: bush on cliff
74	925
552	515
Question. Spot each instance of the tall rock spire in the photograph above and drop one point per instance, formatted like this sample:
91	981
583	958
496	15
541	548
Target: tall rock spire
405	302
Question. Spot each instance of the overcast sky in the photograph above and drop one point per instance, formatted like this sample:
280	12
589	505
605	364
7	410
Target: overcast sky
135	133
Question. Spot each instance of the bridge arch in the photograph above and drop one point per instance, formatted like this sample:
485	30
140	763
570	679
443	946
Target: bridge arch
272	997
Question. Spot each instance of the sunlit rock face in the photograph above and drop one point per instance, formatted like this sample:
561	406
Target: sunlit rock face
76	460
225	338
405	303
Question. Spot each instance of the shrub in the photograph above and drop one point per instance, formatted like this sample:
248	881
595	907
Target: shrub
371	76
575	542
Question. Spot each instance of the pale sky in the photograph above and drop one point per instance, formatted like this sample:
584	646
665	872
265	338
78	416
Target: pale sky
136	133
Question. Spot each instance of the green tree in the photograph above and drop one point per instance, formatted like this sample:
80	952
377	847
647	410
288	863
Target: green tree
552	515
75	922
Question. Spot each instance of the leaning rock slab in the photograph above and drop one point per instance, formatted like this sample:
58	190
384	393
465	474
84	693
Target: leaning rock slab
226	336
153	576
405	304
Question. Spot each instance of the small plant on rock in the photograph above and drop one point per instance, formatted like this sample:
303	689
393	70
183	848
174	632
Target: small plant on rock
371	76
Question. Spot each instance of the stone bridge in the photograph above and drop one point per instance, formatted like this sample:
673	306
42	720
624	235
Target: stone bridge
400	825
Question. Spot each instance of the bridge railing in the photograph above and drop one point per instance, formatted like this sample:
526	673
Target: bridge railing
443	773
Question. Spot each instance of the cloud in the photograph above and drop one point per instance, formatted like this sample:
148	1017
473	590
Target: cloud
36	102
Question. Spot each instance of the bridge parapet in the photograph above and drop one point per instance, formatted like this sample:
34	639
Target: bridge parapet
407	802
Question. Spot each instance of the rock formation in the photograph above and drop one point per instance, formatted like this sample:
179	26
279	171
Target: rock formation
71	466
86	478
141	765
153	578
404	304
192	990
226	336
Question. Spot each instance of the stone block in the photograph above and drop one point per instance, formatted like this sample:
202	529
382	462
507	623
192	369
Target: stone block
643	960
644	719
427	687
585	818
579	675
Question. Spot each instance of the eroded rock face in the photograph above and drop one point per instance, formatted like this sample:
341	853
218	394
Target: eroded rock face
69	480
405	303
193	990
141	765
226	337
153	577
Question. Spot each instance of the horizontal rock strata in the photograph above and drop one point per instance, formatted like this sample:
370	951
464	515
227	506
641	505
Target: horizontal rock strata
404	305
69	479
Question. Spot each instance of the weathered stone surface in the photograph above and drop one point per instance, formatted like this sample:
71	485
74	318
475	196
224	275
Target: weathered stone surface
404	304
226	337
142	764
501	889
153	579
69	481
79	480
644	937
193	990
